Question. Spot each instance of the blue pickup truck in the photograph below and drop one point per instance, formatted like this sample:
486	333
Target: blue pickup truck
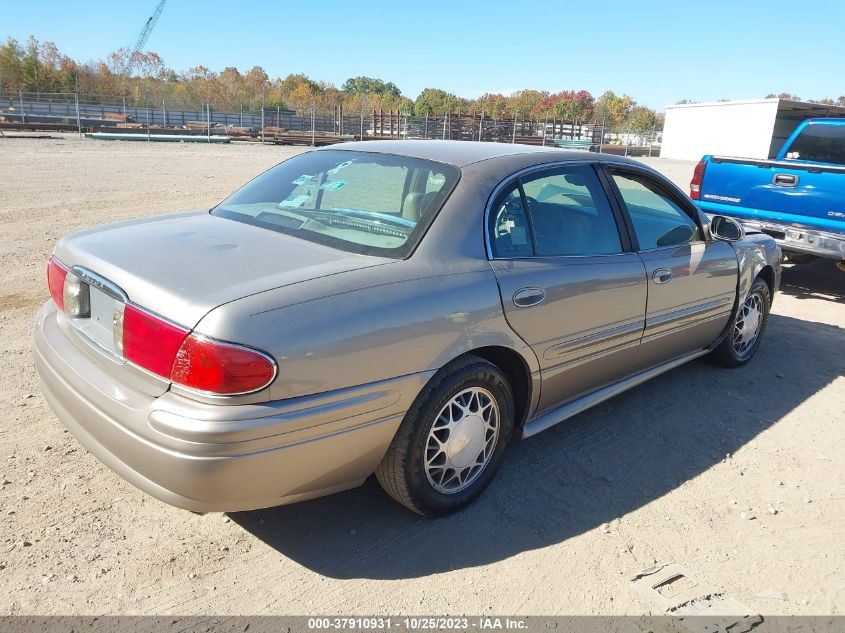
798	198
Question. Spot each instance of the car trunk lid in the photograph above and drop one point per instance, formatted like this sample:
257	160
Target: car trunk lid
179	267
182	266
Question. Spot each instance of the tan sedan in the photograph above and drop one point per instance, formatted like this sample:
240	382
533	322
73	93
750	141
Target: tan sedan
401	308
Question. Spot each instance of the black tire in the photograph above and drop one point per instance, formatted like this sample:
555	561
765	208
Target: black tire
730	353
402	472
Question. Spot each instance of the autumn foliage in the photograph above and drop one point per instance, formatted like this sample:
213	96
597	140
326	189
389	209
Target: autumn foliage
142	78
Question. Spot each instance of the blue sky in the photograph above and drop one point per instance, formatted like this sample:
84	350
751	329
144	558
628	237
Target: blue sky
658	52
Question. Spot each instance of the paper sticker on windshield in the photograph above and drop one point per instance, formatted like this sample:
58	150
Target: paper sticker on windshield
333	185
292	203
438	180
345	163
303	179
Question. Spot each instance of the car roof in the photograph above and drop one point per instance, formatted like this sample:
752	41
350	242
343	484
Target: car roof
462	153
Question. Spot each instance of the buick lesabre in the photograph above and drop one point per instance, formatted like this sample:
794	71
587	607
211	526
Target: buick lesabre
403	308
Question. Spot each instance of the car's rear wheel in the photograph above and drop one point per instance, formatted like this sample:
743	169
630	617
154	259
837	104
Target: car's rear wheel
743	340
452	439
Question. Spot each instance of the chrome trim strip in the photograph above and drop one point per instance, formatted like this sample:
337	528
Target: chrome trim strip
101	283
675	315
561	413
581	342
652	335
590	357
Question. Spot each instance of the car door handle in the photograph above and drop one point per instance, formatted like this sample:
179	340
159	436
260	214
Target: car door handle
661	276
785	180
527	297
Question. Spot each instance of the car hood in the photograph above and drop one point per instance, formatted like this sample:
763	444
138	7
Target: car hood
182	266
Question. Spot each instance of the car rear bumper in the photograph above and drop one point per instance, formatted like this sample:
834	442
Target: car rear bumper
207	458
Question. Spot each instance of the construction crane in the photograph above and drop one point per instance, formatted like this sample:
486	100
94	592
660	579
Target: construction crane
148	28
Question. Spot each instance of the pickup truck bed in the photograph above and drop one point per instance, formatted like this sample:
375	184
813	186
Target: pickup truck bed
798	198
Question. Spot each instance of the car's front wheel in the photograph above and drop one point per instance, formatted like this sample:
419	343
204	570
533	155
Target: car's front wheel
742	341
452	439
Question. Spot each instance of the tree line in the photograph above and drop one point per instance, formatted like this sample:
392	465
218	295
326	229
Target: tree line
143	79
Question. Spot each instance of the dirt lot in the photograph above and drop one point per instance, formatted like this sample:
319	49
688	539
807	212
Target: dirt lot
738	475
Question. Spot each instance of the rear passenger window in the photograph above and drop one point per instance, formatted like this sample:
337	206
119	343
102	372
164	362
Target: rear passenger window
820	143
658	221
570	214
510	233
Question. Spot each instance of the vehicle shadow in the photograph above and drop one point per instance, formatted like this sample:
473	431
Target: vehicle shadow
589	470
820	279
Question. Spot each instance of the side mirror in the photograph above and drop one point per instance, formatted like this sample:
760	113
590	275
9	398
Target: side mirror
725	228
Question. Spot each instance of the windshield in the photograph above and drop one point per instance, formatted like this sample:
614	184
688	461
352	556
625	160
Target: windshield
361	202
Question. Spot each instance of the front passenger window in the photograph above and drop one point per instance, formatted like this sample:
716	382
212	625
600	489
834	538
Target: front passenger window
657	220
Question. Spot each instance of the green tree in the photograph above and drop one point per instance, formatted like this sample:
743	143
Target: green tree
786	96
524	102
492	105
369	86
30	66
436	101
11	68
613	110
643	120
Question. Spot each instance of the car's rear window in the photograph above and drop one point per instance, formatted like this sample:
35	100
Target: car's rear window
820	143
361	202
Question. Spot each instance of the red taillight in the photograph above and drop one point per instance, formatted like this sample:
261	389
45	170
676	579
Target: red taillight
149	341
56	274
697	179
192	360
221	368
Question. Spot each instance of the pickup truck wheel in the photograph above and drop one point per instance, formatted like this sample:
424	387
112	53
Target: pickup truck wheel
743	340
452	439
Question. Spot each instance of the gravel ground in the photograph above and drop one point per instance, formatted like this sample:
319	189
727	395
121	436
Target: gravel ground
737	475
